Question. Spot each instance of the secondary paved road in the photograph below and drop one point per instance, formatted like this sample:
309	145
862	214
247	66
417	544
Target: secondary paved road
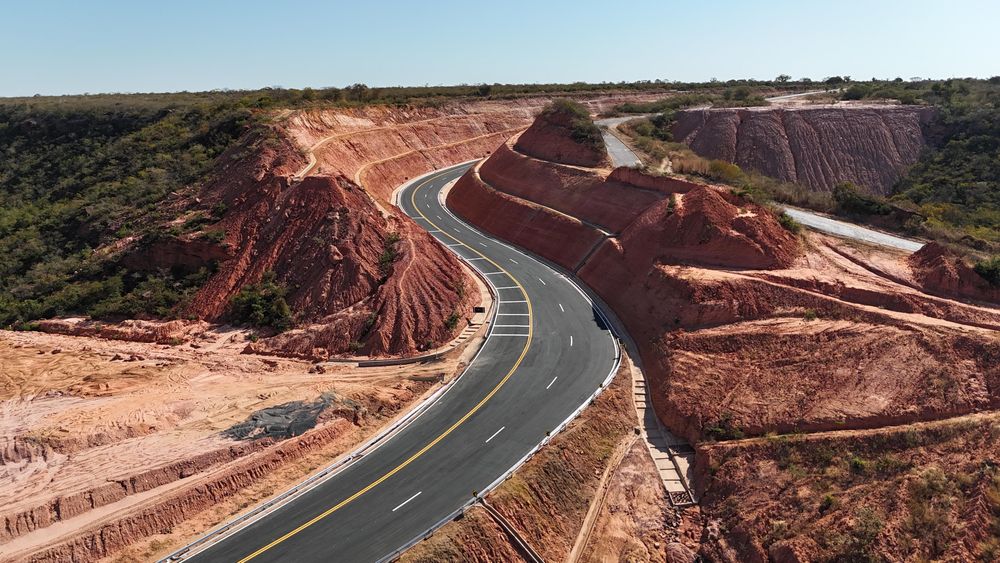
547	351
620	154
850	230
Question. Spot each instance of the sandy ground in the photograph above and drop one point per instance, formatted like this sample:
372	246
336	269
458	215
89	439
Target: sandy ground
77	413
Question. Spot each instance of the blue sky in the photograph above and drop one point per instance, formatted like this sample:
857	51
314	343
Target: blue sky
56	47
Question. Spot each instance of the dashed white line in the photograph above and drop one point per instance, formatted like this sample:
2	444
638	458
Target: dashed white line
483	244
514	301
439	218
494	273
406	501
495	434
456	244
512	326
476	258
512	260
571	340
519	335
509	287
512	314
561	308
543	281
551	382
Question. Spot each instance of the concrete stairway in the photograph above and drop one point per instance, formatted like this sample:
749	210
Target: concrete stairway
673	457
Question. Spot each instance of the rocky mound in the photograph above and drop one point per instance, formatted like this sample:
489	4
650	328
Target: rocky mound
564	133
704	227
941	271
815	146
360	280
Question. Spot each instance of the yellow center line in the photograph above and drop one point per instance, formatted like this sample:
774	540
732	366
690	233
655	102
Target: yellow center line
451	428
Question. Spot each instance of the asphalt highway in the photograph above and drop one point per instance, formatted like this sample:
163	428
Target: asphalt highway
547	351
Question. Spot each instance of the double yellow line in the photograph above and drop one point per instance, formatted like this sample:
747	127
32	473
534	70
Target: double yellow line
443	435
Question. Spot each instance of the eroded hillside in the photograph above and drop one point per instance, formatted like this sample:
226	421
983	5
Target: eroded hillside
815	146
747	328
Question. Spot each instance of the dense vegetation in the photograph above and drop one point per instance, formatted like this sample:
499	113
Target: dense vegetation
77	176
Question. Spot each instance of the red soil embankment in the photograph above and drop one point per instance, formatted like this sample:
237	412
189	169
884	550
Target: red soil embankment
381	147
922	492
553	137
818	147
943	272
583	193
563	239
351	272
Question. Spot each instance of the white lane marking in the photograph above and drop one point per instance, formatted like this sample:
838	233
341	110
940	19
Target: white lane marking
561	308
512	314
551	382
543	281
521	301
439	218
512	326
494	273
435	231
406	501
483	244
571	340
520	335
457	244
508	287
495	434
512	260
476	258
456	230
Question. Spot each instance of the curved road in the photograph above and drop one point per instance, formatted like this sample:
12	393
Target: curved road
547	351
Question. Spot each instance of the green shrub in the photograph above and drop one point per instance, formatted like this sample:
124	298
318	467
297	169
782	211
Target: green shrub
791	225
724	429
858	465
452	321
851	200
389	254
582	128
262	304
989	269
828	503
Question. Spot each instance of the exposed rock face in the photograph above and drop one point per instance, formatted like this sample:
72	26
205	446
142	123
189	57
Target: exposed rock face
943	272
552	137
160	332
584	194
560	238
817	146
352	272
703	227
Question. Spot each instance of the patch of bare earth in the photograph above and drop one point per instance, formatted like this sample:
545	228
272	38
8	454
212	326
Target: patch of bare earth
108	443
